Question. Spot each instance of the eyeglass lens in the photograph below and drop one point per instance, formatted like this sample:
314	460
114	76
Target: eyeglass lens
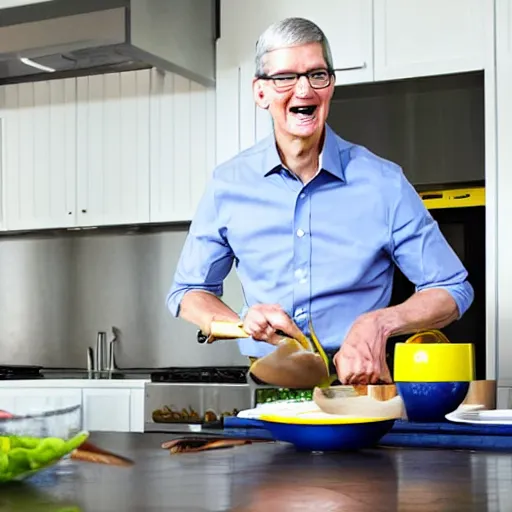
317	79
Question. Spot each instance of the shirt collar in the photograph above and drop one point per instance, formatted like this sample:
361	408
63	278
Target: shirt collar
330	158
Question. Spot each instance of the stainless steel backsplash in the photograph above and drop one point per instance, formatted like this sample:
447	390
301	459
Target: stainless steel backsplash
57	291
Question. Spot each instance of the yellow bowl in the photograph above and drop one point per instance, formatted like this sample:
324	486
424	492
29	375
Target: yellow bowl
434	362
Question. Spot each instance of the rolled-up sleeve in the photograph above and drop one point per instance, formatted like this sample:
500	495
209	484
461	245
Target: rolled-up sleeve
422	252
206	258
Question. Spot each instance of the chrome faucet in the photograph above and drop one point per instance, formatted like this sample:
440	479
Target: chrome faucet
101	351
111	349
99	361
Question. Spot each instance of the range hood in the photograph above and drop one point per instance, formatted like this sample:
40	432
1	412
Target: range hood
47	39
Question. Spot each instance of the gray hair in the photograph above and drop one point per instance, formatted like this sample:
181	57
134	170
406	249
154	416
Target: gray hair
290	32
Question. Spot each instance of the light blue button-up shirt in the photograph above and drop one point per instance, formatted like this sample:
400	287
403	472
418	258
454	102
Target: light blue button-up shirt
324	250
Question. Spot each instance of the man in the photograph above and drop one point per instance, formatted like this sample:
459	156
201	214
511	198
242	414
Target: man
315	225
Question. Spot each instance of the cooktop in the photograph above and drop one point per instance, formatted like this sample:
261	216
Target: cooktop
18	372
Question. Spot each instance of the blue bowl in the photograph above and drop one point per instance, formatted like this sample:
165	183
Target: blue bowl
330	437
428	402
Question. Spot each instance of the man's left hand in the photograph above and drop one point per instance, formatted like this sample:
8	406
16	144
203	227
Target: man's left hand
362	356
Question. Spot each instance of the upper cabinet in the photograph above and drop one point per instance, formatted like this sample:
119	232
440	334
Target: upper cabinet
415	38
76	151
346	23
102	150
182	151
112	134
38	158
139	146
371	40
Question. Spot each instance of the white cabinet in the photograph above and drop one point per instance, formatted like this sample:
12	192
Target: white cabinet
106	405
112	133
113	409
75	152
227	96
182	151
504	191
38	156
346	23
121	148
106	410
504	398
417	38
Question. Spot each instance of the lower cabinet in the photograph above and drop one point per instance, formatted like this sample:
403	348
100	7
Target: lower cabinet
103	408
114	410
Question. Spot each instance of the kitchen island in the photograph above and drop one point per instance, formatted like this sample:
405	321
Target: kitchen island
267	477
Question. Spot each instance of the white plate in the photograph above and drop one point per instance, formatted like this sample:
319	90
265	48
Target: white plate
491	417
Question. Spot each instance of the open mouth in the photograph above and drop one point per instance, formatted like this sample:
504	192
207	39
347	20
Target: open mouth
306	110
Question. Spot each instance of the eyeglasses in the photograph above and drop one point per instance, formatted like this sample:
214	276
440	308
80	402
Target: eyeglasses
318	79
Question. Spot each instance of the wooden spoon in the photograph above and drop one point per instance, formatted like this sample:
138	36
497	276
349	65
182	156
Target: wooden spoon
88	452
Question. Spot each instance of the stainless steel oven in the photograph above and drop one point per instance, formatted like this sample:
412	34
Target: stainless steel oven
198	399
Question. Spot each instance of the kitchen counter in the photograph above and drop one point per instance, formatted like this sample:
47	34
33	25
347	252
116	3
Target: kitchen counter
73	383
268	477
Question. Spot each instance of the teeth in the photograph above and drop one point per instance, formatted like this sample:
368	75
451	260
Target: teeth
307	110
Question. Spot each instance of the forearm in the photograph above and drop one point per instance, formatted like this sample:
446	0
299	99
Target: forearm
201	308
428	309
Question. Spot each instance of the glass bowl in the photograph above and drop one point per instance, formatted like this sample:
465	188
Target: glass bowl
33	442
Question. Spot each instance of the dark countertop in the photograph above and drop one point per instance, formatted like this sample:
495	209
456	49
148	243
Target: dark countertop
268	477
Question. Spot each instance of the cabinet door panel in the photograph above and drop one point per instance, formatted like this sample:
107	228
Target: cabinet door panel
227	102
106	409
113	148
418	38
39	154
182	145
248	107
346	23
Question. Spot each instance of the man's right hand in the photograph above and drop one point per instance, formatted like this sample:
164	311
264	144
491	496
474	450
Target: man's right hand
263	320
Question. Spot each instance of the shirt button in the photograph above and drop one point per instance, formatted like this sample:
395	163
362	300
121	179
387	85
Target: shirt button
300	274
303	195
300	233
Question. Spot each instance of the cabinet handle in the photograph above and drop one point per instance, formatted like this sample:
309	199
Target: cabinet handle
84	211
352	68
